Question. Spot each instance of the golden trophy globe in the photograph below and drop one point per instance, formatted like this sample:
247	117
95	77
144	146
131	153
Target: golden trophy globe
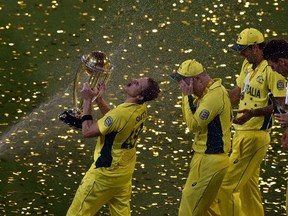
95	69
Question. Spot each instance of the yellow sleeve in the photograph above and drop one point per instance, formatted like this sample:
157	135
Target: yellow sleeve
277	83
198	116
109	122
188	110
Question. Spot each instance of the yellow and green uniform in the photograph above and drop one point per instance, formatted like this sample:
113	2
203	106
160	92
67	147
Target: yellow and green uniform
259	83
109	179
209	118
239	194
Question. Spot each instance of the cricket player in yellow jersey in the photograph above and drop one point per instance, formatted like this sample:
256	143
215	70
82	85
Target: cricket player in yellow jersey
276	53
207	112
109	179
239	194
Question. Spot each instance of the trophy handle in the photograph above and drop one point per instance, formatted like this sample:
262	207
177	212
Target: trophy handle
76	87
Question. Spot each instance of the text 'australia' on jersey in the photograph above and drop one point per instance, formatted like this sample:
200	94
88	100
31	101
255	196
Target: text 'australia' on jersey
255	86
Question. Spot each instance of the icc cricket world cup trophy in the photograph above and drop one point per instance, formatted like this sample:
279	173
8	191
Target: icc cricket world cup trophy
95	69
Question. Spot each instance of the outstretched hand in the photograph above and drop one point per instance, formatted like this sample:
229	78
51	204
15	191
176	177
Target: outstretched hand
247	115
282	119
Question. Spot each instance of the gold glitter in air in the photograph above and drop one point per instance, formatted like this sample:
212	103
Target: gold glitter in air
40	43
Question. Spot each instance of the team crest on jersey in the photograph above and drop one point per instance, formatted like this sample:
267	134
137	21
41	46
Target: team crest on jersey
108	121
260	79
280	85
204	114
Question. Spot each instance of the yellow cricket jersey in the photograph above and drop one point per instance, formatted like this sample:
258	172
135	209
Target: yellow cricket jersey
115	153
255	85
210	119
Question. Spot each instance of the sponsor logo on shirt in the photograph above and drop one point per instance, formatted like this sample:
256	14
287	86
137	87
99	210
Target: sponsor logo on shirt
108	121
280	85
260	79
204	114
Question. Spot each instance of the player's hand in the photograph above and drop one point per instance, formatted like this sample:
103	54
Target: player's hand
100	90
284	139
282	119
247	115
87	93
186	88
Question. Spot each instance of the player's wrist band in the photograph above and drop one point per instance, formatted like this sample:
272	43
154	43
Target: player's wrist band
86	117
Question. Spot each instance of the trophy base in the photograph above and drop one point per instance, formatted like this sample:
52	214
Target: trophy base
70	117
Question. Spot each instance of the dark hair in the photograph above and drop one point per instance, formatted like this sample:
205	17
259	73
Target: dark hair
261	45
275	49
151	92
